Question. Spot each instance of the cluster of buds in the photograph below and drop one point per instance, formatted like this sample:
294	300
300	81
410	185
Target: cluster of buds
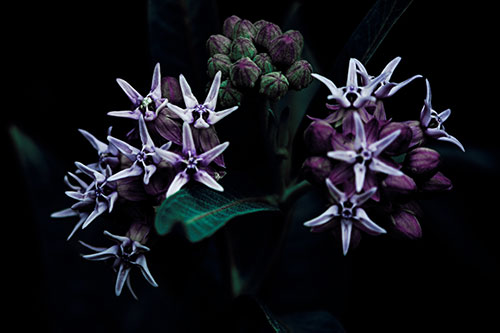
371	165
257	55
168	146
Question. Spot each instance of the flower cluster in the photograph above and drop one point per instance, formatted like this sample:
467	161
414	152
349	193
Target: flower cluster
167	147
257	55
370	164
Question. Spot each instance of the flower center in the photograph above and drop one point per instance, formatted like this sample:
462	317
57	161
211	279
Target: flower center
202	111
346	209
140	157
191	164
147	104
364	156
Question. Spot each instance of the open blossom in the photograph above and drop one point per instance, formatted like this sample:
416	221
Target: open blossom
108	153
365	153
190	165
93	199
433	121
147	106
145	160
347	209
127	253
200	115
352	95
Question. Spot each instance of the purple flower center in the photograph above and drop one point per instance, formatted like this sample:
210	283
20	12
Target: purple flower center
346	209
436	121
140	157
202	111
191	165
364	156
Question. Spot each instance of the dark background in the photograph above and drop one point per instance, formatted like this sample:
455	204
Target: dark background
63	58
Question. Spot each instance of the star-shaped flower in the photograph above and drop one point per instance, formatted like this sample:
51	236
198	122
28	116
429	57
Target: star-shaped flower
93	199
433	121
365	154
387	88
147	106
144	160
352	95
200	115
347	210
127	254
190	165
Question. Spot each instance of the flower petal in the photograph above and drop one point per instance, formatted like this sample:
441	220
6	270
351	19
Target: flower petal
129	151
214	117
359	199
208	156
400	85
134	114
111	252
149	170
444	115
379	166
336	194
346	226
325	217
359	176
379	146
179	181
121	278
187	140
134	170
337	93
100	146
169	156
348	156
144	134
389	68
360	138
68	212
141	262
132	94
425	114
453	140
211	100
156	83
362	217
201	123
187	94
185	115
100	208
203	177
352	78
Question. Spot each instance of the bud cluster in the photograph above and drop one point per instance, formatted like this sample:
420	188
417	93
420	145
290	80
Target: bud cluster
257	56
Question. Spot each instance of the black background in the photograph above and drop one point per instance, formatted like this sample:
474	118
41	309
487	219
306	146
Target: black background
63	58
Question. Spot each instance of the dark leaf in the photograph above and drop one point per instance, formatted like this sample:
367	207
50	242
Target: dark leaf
202	211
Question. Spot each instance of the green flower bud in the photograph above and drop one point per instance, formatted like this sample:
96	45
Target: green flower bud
228	26
244	73
259	24
219	62
263	60
299	74
286	48
242	47
218	44
266	34
229	96
244	28
274	85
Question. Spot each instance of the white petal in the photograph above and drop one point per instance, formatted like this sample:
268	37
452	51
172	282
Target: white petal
336	194
156	82
379	166
169	156
179	181
211	100
389	68
380	145
100	146
143	132
149	170
362	217
201	123
203	177
185	115
131	93
352	79
346	226
425	114
359	176
359	199
133	171
348	156
121	278
129	151
325	217
360	139
445	114
453	140
187	140
141	261
100	208
64	213
188	96
214	117
210	155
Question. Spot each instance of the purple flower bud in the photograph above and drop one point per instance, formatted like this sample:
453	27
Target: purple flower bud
218	44
299	74
244	28
229	96
171	90
399	184
286	48
131	189
407	224
318	137
263	60
218	62
273	85
244	73
438	182
228	25
260	24
242	47
422	160
402	142
316	169
417	137
266	34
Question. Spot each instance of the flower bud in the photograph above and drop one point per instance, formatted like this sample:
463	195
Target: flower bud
401	143
417	137
242	47
263	60
218	44
259	24
299	74
422	160
400	184
138	232
407	224
316	169
266	34
244	28
318	137
228	25
244	73
286	48
218	62
229	96
171	90
438	182
273	85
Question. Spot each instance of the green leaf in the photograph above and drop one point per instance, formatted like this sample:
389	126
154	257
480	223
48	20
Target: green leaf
202	211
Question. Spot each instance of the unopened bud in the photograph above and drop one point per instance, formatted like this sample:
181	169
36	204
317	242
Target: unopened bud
407	224
219	62
402	141
273	85
266	34
417	137
318	137
244	28
259	24
299	74
316	169
229	96
139	232
438	182
242	47
400	184
228	26
422	160
171	90
263	60
218	44
244	73
286	48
